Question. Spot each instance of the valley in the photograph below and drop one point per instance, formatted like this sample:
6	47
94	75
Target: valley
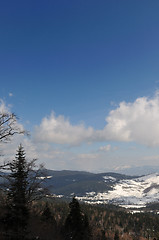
105	188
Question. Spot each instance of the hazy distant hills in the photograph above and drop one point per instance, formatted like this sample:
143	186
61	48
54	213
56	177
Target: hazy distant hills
120	189
139	170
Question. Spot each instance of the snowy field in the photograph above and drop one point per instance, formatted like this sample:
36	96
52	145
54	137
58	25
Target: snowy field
135	193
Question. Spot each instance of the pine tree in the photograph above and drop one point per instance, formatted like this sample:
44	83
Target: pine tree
23	185
18	212
76	225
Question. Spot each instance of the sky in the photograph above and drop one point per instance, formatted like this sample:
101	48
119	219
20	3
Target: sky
83	79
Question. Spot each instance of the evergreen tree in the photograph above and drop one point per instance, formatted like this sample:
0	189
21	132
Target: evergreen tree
25	185
76	225
18	212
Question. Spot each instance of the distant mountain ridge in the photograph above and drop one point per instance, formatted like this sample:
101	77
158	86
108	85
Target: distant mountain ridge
78	182
104	188
120	189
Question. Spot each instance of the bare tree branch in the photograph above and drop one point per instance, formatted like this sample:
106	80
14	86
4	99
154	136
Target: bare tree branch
9	127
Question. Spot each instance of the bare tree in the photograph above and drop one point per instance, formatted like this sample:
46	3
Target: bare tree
36	177
9	126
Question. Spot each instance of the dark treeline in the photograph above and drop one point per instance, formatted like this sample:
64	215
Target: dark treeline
51	219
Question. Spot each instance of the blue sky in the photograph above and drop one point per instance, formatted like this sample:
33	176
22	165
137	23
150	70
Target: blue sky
65	65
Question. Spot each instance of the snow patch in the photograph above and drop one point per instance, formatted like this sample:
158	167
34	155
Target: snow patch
46	177
109	178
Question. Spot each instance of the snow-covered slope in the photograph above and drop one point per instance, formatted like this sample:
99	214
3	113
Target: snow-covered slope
135	192
127	191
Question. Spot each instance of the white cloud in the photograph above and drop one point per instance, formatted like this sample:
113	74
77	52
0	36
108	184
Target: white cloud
3	107
59	130
137	121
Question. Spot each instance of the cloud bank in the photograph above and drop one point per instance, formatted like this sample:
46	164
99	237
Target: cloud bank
137	121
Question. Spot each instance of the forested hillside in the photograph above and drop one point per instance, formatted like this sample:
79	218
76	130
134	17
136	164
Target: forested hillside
48	218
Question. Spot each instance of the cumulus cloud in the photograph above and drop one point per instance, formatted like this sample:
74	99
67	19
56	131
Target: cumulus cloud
136	121
60	130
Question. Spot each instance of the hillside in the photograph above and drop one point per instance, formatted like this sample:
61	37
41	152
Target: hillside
79	183
123	190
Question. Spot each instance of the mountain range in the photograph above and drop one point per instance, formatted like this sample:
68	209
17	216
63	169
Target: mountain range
102	188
